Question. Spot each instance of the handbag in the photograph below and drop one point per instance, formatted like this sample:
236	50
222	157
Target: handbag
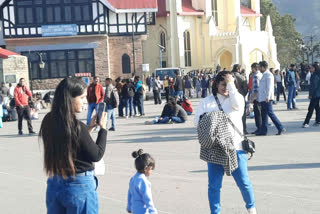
247	144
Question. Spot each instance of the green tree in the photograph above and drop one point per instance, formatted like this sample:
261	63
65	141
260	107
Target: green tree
287	38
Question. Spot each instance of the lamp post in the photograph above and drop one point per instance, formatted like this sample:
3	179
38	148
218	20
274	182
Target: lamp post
133	51
162	49
41	66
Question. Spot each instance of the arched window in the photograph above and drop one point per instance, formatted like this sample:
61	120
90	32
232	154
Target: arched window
126	65
187	49
163	40
214	8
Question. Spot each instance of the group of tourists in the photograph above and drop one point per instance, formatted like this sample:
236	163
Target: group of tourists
70	151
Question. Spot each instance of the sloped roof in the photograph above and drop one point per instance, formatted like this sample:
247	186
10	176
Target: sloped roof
247	12
4	53
124	6
162	9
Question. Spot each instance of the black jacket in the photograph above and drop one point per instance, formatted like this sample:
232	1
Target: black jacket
178	84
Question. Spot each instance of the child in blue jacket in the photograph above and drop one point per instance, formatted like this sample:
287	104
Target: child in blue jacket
139	194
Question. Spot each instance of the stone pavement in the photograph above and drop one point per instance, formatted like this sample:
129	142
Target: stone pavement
284	172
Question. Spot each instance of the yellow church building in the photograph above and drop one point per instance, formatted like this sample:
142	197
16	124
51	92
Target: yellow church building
201	34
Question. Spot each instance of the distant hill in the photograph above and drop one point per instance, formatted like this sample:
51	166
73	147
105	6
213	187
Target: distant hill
306	12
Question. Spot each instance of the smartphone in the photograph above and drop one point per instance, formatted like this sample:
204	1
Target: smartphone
100	109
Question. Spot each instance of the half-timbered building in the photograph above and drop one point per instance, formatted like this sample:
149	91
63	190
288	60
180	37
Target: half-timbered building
97	37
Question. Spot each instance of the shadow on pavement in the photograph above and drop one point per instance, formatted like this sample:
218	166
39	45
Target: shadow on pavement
276	167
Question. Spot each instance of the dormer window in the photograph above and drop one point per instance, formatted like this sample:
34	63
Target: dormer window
246	3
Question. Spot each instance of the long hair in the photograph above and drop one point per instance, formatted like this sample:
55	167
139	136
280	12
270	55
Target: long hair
316	66
219	78
60	129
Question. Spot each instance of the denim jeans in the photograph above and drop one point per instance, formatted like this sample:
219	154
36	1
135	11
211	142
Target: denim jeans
139	102
129	105
240	175
267	110
189	112
91	107
204	92
177	120
111	116
74	195
164	120
291	97
179	94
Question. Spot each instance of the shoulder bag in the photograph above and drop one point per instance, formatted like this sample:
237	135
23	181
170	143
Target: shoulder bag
247	145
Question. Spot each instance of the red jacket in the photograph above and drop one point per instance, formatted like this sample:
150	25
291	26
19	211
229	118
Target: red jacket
187	106
99	93
21	95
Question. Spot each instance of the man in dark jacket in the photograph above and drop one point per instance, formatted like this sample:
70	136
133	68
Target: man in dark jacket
178	85
242	86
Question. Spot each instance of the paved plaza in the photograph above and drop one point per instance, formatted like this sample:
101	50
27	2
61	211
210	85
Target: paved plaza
285	171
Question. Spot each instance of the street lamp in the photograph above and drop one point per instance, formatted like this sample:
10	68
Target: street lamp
41	66
162	49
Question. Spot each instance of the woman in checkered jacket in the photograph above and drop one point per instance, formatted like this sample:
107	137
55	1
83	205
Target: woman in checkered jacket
232	104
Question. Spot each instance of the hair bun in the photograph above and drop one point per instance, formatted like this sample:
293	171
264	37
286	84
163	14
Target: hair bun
138	153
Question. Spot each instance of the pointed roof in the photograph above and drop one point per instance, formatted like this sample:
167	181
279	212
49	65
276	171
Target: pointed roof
269	25
127	6
4	53
247	12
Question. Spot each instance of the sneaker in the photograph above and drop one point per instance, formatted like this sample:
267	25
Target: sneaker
305	126
20	133
252	210
112	129
281	132
32	133
127	117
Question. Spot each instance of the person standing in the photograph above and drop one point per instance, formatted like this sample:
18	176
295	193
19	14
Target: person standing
21	97
111	99
218	160
291	84
188	87
204	86
139	95
95	95
4	92
119	86
148	81
280	86
156	87
166	87
265	98
242	86
314	95
129	92
70	152
178	85
256	77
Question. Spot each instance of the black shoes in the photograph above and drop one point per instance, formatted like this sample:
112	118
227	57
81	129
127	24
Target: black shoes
281	132
32	133
20	133
112	129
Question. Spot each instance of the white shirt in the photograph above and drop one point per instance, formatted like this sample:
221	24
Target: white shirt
278	78
308	77
266	87
233	105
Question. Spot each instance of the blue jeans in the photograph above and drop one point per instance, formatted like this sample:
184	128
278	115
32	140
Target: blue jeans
291	97
129	105
204	92
179	94
240	175
189	112
177	120
164	120
111	116
267	110
91	107
74	195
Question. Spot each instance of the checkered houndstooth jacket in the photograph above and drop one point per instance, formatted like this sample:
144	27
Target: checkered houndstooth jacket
216	141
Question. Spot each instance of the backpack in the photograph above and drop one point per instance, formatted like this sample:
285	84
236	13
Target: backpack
130	91
114	98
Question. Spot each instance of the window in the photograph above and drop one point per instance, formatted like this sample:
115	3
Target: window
151	18
246	3
29	12
214	8
187	49
60	64
163	41
126	65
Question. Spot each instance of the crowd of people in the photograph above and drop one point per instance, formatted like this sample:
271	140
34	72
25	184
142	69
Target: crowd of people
70	162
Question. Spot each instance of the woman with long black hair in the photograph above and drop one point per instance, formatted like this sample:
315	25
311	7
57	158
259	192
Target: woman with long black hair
314	95
69	151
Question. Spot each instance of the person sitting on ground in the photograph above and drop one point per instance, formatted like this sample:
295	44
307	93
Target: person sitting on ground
172	112
187	106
